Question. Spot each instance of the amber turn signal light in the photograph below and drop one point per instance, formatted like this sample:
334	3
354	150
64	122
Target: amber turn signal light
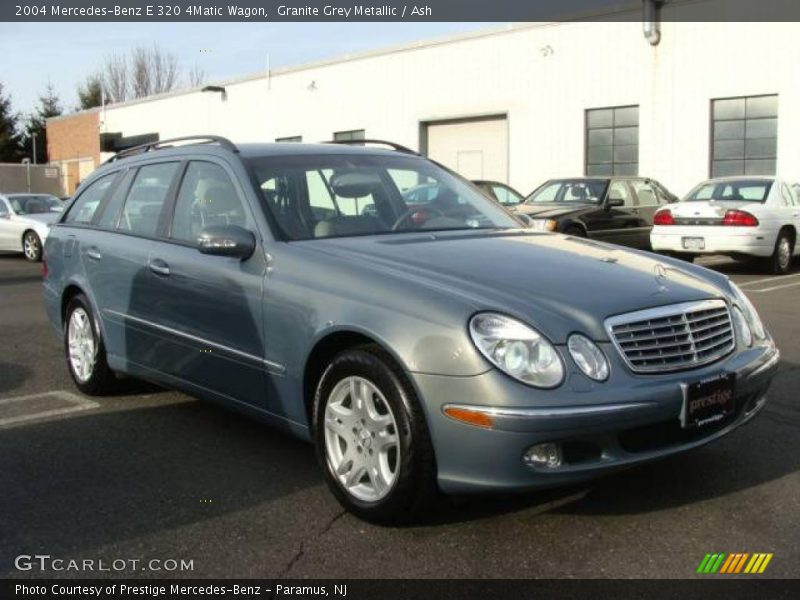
470	417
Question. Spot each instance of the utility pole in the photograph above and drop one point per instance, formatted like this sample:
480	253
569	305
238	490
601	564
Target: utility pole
27	162
33	136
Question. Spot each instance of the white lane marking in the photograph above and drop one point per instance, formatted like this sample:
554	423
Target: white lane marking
79	403
767	280
773	288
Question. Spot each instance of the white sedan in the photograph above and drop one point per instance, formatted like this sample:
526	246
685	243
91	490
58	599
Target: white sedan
25	220
734	216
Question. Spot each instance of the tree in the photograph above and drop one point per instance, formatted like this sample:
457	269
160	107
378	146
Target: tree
115	77
49	106
197	76
154	71
10	140
144	72
90	92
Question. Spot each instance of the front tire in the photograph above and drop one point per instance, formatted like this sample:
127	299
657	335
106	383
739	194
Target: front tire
372	439
84	349
780	263
575	231
32	246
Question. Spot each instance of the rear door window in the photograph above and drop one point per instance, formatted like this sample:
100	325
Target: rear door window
146	199
646	193
505	196
207	197
86	204
619	190
109	213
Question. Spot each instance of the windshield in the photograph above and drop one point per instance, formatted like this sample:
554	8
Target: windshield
324	196
34	205
570	190
743	190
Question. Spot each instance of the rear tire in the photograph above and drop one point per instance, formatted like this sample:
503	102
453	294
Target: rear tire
84	349
372	440
780	263
32	246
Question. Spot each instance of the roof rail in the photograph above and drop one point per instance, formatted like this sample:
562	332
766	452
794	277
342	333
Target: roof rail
157	145
392	145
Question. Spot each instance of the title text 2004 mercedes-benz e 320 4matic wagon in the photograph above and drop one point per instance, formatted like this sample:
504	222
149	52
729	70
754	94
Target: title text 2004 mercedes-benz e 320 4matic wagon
437	347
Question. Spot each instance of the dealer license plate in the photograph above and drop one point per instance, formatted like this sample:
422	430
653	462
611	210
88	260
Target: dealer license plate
694	243
708	401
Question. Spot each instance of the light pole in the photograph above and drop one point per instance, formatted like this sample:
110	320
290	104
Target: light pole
34	135
27	163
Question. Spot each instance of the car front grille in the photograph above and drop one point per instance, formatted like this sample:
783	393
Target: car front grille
673	338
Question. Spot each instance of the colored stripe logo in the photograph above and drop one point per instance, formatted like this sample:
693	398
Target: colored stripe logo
735	563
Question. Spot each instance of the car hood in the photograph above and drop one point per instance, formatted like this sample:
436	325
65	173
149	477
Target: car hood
47	218
557	283
551	210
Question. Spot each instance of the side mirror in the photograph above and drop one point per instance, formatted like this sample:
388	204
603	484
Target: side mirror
227	240
525	219
614	202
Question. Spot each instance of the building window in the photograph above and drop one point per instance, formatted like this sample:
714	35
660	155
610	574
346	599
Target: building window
744	136
291	138
612	141
348	136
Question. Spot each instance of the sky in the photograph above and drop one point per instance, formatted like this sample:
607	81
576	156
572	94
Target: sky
63	54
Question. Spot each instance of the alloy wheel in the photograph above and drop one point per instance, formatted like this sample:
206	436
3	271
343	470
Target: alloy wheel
30	246
361	441
81	343
784	254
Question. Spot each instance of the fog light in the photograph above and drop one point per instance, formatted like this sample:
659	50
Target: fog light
547	455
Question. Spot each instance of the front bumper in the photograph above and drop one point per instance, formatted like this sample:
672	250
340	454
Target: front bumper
624	421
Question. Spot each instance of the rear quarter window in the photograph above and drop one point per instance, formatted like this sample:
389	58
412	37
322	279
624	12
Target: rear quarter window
88	201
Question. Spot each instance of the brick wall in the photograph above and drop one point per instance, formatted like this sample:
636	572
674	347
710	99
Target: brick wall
72	140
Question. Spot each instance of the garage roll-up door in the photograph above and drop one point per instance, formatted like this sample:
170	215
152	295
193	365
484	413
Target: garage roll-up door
475	148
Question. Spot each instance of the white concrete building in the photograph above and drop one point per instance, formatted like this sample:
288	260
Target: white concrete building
516	104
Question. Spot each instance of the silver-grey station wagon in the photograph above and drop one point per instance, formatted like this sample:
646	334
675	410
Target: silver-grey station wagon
421	347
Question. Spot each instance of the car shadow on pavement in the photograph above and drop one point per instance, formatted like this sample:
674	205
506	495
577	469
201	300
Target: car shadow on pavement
12	376
763	450
99	478
729	266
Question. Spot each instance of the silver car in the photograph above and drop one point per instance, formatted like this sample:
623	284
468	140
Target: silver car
25	221
422	349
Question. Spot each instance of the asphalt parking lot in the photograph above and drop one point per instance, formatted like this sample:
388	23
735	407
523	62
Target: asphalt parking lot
157	474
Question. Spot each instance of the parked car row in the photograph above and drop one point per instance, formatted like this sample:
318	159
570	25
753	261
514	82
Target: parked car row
25	221
381	307
741	217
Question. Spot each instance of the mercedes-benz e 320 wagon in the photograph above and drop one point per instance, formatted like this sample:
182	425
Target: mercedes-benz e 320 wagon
430	348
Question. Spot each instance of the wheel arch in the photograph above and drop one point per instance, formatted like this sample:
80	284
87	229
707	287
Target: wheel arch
325	348
790	229
70	291
574	223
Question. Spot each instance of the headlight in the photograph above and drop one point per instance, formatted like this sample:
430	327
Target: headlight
517	350
589	358
544	224
750	312
742	328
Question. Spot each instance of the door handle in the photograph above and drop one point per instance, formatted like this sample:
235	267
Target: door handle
159	267
94	253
